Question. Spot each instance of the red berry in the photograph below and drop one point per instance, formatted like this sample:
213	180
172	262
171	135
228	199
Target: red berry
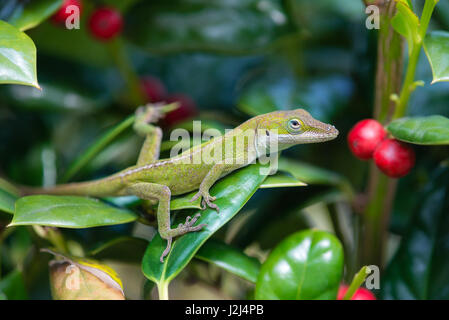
105	23
186	109
360	293
394	158
62	14
153	89
364	138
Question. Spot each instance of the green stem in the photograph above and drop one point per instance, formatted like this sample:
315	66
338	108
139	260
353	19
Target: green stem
162	288
409	81
93	150
356	282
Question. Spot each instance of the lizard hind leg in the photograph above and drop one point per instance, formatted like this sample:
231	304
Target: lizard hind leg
148	191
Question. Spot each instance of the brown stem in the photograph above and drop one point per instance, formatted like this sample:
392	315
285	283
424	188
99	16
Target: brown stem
389	64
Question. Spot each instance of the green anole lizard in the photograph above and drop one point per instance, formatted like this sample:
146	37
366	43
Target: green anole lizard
199	167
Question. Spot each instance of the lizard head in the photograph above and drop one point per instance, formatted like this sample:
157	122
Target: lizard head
293	127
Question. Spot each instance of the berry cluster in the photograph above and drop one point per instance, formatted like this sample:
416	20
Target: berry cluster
368	139
105	23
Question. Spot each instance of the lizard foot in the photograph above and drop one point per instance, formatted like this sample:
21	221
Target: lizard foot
182	228
206	201
190	221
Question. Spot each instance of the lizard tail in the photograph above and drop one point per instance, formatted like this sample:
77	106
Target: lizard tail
98	188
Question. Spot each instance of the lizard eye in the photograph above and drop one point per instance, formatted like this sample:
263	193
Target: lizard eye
294	125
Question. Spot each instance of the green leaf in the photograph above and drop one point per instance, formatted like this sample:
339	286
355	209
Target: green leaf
17	57
13	287
232	193
436	46
226	27
431	130
34	13
184	202
406	23
308	173
420	267
123	249
307	265
281	179
68	212
230	259
7	201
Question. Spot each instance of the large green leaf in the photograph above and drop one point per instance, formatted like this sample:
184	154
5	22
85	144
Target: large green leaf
13	287
17	57
436	45
68	212
431	130
420	268
219	26
232	193
34	13
230	259
307	265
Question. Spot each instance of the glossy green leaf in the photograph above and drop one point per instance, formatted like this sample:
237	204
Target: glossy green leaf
123	249
7	201
420	268
68	212
226	27
431	130
17	57
436	45
34	13
13	287
232	193
406	23
230	259
307	265
280	180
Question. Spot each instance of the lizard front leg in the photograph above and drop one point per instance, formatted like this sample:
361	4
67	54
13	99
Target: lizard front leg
147	191
145	116
212	176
